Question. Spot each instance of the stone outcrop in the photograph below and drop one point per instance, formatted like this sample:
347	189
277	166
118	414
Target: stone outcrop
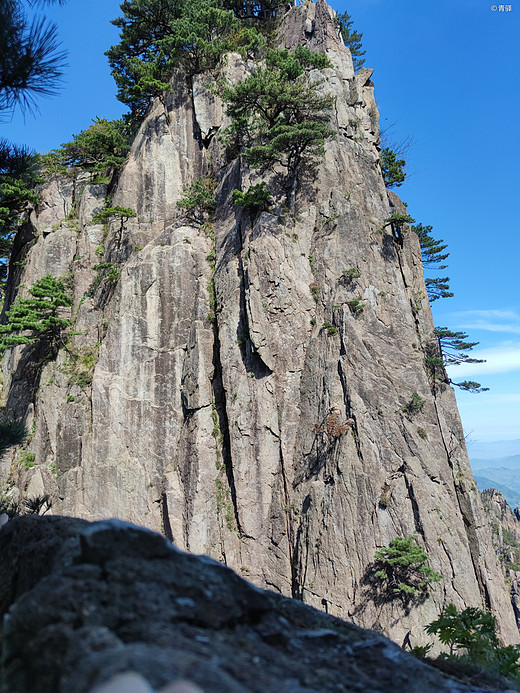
505	526
254	406
86	602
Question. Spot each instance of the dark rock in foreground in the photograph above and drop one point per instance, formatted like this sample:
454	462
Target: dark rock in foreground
84	601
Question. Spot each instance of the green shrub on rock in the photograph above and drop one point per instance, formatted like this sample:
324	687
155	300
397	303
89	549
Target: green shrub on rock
254	200
471	637
403	570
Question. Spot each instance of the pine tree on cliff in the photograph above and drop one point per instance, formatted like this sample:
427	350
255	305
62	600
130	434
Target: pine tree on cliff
432	255
351	39
38	318
158	36
18	177
278	116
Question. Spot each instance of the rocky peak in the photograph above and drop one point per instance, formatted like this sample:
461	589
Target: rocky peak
244	385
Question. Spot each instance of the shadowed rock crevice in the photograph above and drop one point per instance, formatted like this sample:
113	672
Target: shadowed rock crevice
219	394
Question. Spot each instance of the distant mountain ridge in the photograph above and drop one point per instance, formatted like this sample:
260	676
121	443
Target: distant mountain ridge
512	462
493	449
491	470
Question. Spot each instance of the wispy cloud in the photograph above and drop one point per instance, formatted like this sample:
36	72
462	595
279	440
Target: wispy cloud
490	320
500	359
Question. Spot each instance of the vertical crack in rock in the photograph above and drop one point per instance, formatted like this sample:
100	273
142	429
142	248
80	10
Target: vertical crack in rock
348	404
219	395
415	506
302	540
197	132
467	517
252	360
165	516
288	524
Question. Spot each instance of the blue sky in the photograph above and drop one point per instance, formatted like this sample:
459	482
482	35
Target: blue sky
447	73
447	78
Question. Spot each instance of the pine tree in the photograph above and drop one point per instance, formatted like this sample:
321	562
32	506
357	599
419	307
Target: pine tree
431	249
403	568
278	116
30	62
18	178
432	255
158	36
351	39
392	168
454	349
99	149
38	318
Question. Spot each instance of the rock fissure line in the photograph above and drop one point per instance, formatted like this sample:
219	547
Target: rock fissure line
415	506
348	405
219	395
470	535
288	524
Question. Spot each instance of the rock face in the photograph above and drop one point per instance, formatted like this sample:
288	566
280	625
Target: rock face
257	408
85	602
505	525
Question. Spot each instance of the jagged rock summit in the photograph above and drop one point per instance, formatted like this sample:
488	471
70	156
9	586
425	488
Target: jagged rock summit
233	384
86	602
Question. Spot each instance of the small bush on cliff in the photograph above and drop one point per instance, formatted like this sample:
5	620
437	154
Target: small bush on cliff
199	197
356	306
38	318
415	404
403	570
255	199
351	274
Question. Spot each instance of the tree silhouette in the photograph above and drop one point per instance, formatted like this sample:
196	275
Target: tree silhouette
30	60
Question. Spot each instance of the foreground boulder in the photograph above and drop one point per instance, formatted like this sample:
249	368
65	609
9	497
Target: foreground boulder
83	602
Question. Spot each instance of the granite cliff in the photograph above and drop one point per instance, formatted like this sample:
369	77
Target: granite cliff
231	385
505	525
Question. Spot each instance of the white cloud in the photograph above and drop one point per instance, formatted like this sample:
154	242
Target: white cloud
489	320
500	359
